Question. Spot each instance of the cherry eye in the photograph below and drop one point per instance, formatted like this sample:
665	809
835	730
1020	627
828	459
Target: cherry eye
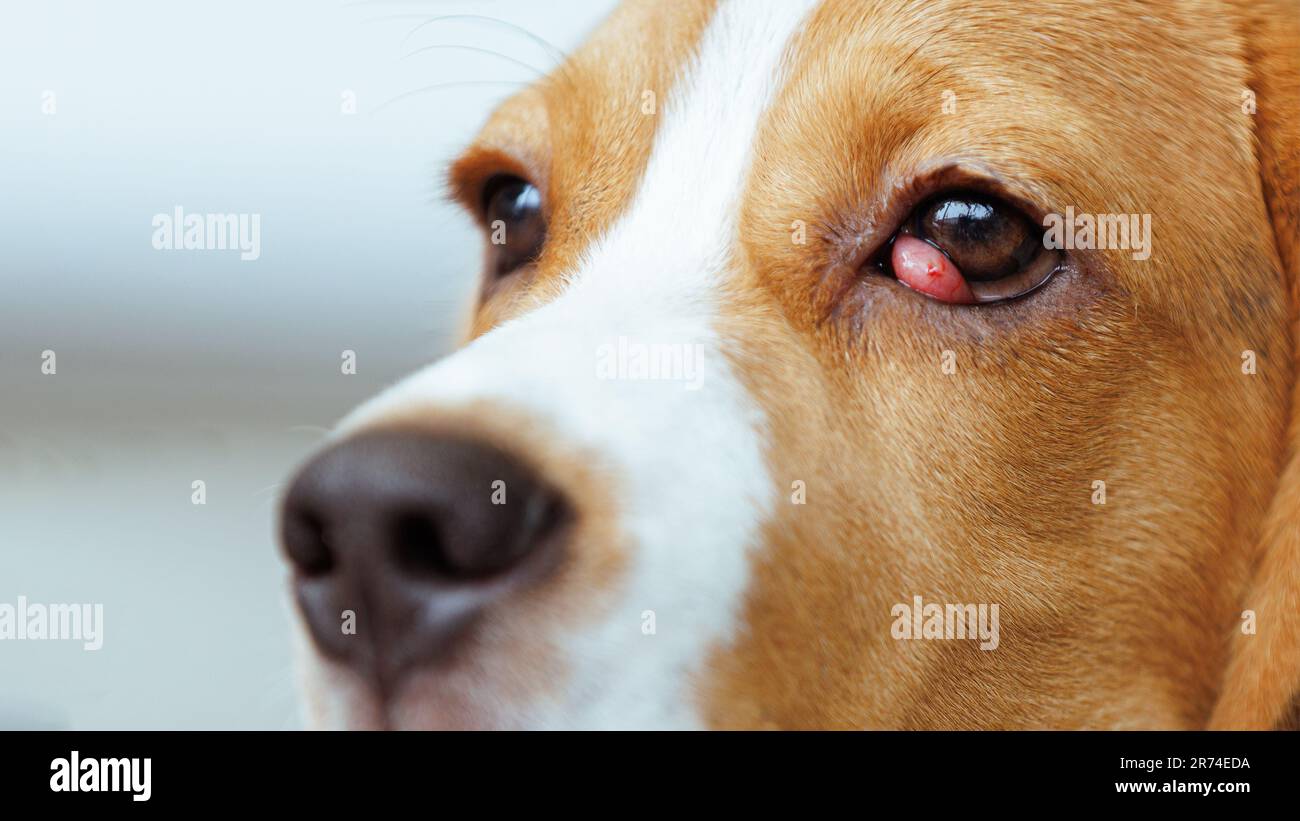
967	248
923	267
512	209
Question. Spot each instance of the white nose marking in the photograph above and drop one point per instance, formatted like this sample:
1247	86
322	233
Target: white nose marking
687	454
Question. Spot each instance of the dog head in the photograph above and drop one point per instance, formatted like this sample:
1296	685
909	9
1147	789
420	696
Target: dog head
792	329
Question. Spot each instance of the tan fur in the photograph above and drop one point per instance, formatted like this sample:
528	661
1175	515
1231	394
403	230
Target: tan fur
1262	685
581	136
976	486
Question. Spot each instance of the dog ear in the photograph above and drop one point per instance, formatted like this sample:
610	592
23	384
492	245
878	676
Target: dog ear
1261	689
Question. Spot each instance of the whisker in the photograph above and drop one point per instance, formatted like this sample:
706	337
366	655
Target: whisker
275	487
384	18
357	3
554	52
488	51
440	86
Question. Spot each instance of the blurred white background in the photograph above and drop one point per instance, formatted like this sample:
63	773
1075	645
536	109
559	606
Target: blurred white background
176	366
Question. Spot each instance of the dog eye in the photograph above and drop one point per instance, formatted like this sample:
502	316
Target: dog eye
512	208
967	248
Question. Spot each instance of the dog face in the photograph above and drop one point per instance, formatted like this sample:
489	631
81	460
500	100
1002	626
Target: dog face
769	345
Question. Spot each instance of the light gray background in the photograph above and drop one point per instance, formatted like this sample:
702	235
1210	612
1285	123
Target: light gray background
182	365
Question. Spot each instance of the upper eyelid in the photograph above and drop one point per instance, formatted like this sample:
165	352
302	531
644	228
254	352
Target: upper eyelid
468	177
961	182
490	187
901	194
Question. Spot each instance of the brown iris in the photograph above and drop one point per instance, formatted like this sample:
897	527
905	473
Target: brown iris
985	239
513	210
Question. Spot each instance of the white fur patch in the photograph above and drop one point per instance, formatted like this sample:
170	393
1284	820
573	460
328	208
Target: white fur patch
690	458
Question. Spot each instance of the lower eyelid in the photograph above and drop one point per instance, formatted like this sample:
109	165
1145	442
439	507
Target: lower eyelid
1024	282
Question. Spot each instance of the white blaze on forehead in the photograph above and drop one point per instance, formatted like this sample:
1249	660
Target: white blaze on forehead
688	461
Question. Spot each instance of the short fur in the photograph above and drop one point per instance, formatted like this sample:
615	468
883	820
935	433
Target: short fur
974	486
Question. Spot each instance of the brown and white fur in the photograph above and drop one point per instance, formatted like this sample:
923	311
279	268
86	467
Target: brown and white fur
673	223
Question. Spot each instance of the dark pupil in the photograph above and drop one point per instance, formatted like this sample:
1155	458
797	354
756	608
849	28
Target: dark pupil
514	202
518	206
985	240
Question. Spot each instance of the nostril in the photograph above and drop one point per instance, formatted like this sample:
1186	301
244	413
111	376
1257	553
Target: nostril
543	515
548	513
416	535
417	547
304	542
464	539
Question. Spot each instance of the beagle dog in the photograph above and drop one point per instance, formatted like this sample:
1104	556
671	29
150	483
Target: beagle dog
846	364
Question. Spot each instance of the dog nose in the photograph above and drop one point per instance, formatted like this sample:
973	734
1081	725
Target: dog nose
399	539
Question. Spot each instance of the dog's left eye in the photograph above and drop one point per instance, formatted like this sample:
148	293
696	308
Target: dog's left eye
964	248
512	208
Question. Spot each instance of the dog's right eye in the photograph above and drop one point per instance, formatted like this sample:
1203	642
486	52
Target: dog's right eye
512	208
964	248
